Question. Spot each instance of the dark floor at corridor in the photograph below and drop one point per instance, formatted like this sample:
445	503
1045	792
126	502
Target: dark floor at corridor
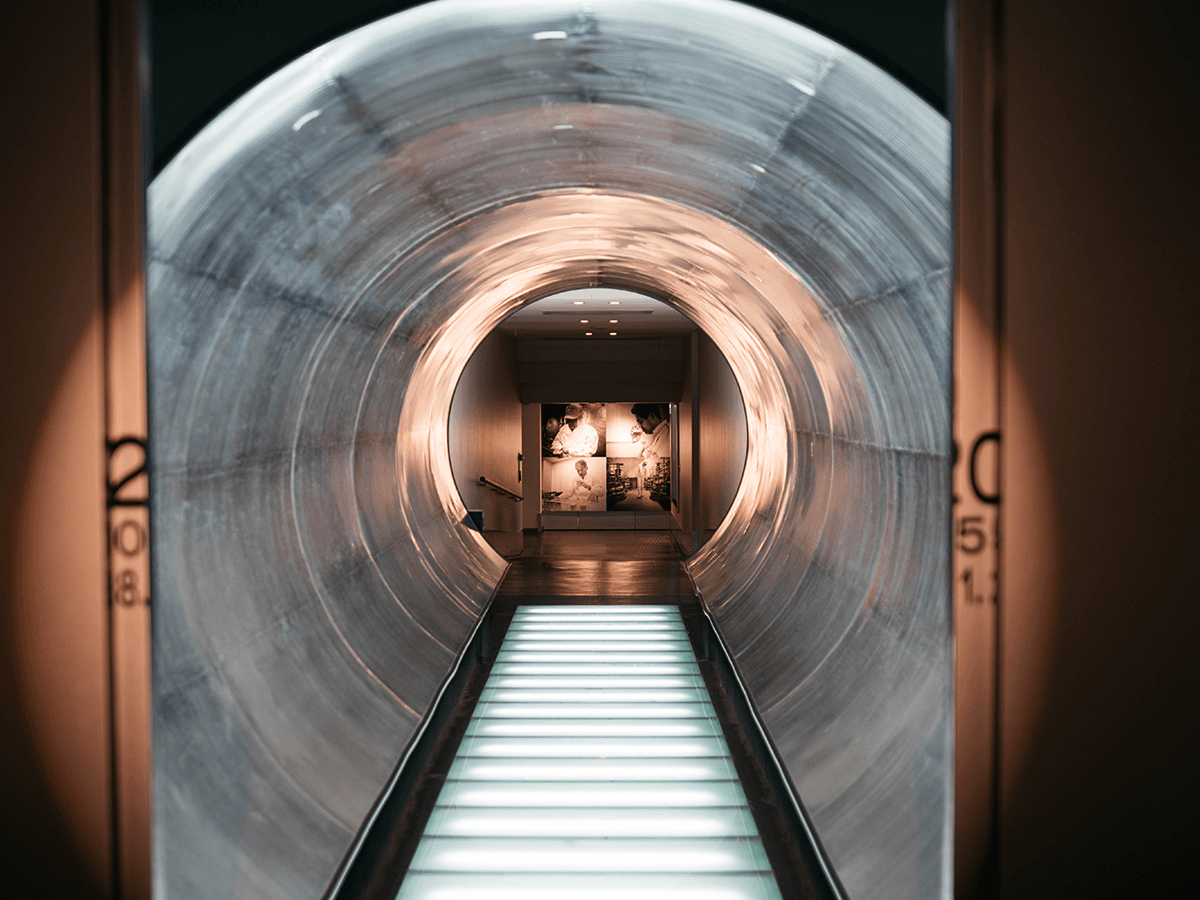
582	566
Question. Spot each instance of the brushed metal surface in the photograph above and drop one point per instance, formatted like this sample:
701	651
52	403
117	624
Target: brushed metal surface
325	256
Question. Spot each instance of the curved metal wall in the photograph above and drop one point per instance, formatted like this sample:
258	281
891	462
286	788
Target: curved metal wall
325	257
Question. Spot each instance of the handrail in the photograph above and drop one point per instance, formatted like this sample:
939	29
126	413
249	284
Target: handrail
499	489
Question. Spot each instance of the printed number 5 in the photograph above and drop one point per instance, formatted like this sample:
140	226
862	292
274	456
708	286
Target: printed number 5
971	536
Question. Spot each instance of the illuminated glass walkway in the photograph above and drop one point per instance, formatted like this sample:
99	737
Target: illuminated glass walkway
593	767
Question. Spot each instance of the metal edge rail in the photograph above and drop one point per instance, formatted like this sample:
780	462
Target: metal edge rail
355	872
806	851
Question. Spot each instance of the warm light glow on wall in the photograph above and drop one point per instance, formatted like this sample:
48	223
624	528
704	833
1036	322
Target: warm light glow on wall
58	604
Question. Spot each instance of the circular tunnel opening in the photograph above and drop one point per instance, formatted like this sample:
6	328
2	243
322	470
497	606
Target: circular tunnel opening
326	256
599	352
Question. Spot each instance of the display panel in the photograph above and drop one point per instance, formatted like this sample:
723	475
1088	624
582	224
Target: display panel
574	429
573	484
606	456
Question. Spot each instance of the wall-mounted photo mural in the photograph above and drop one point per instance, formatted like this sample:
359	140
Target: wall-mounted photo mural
606	456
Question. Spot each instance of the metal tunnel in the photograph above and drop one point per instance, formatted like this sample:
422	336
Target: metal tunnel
324	258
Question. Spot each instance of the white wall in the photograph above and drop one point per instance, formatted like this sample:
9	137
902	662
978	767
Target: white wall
485	432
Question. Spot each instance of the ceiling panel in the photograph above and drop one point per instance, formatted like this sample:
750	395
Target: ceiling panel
606	310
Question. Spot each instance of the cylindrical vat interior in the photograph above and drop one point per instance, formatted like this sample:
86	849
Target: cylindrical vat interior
325	257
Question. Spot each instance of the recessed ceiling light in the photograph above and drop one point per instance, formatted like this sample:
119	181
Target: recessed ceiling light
614	302
587	334
583	321
612	321
577	302
612	334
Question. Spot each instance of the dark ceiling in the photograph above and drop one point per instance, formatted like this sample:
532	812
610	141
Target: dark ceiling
204	55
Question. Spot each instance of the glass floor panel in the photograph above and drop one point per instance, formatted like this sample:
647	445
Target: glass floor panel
593	766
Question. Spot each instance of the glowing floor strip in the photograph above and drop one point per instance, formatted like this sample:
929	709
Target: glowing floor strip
593	767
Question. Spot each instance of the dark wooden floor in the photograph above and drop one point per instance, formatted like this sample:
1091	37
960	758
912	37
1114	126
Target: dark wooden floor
598	567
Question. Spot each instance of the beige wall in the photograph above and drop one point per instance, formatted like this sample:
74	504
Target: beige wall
1100	272
552	371
712	439
722	436
54	746
531	440
1095	266
485	432
689	485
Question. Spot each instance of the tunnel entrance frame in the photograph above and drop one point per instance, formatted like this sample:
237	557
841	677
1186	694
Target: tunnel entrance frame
836	327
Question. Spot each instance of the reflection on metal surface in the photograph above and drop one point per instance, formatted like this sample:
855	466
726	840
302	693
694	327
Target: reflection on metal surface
316	291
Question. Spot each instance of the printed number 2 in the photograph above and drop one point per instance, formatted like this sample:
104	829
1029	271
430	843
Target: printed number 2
116	483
